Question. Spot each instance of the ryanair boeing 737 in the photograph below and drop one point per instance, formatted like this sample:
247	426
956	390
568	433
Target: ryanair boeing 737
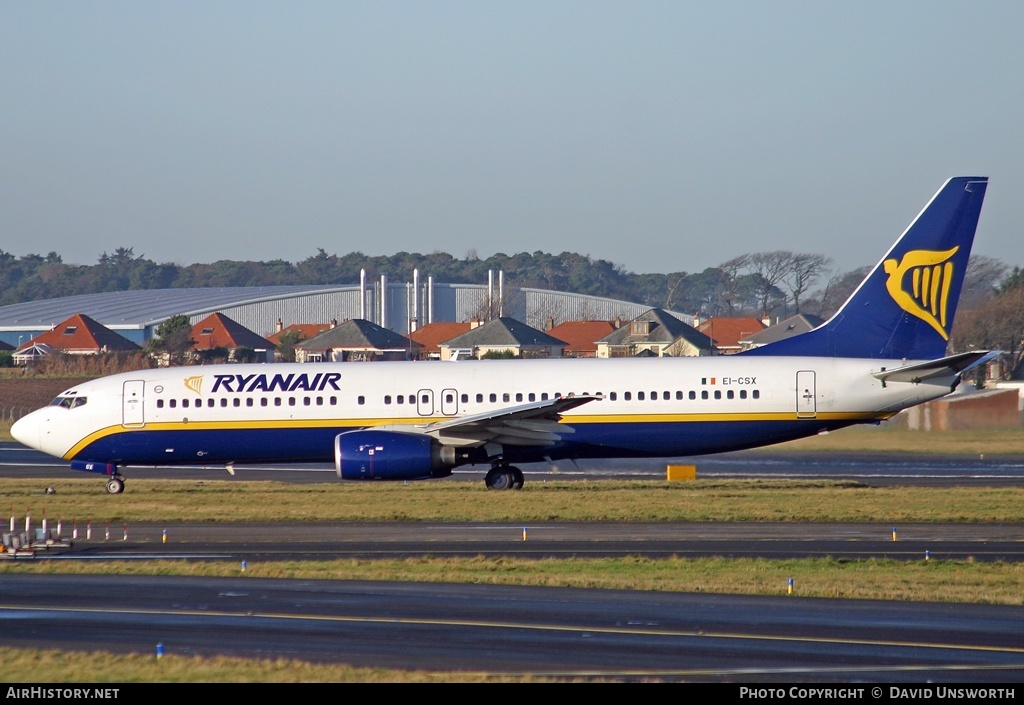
884	351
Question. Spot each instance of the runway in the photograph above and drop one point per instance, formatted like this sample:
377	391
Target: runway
531	631
375	540
521	631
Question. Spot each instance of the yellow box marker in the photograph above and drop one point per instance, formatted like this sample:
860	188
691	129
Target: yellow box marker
680	472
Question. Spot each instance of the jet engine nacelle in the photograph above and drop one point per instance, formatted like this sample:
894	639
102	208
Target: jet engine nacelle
387	455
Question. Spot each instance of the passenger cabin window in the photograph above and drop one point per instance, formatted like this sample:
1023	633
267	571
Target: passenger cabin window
756	394
359	400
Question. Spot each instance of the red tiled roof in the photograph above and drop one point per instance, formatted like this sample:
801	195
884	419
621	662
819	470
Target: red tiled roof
728	332
582	336
226	333
81	333
432	335
306	331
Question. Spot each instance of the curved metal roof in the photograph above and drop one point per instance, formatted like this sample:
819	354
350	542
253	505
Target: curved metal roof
139	309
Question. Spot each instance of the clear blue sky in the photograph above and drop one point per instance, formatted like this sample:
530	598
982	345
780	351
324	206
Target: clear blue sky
663	136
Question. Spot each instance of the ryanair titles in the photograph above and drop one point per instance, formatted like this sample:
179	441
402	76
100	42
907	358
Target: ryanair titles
303	382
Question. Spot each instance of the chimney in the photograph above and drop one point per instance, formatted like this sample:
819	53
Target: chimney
550	324
334	323
280	325
766	320
618	322
696	320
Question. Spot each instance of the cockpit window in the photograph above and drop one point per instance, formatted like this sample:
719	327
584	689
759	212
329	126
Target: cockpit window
69	402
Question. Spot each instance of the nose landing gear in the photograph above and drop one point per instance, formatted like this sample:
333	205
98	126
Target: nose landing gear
115	485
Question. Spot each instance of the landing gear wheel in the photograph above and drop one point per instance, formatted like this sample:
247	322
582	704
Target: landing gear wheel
115	485
517	478
500	478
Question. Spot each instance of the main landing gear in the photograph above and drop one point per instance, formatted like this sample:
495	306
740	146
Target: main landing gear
503	476
115	485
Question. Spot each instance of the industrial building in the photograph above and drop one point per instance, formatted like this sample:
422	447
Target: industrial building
401	307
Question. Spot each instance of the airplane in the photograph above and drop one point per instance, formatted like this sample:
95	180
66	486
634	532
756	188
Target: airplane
882	352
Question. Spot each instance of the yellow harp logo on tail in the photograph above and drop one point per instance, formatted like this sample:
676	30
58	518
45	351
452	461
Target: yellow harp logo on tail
931	275
195	384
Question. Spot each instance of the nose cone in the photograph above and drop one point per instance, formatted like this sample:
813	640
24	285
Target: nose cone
26	430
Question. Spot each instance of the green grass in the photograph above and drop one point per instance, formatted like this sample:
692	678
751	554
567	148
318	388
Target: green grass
48	666
565	500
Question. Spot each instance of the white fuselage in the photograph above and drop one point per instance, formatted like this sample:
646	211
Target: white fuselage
658	407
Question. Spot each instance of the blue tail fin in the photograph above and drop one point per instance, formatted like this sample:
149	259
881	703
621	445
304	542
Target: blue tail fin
904	309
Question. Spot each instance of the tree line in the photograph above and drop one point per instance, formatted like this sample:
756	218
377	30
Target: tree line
764	283
770	284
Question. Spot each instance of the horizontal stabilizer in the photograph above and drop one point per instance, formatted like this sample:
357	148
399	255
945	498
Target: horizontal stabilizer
936	369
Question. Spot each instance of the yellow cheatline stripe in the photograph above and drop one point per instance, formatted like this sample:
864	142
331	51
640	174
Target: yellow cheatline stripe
419	420
593	629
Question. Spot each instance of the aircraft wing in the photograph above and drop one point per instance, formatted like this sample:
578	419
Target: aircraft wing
936	369
533	424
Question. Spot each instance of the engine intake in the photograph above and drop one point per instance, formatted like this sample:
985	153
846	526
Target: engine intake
387	455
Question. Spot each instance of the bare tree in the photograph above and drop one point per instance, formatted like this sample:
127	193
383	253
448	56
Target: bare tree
804	270
771	269
998	325
729	275
980	281
836	291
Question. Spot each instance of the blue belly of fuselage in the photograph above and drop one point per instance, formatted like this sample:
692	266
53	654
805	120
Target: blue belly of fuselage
316	445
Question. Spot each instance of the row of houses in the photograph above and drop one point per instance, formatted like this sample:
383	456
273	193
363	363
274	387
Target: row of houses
655	333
